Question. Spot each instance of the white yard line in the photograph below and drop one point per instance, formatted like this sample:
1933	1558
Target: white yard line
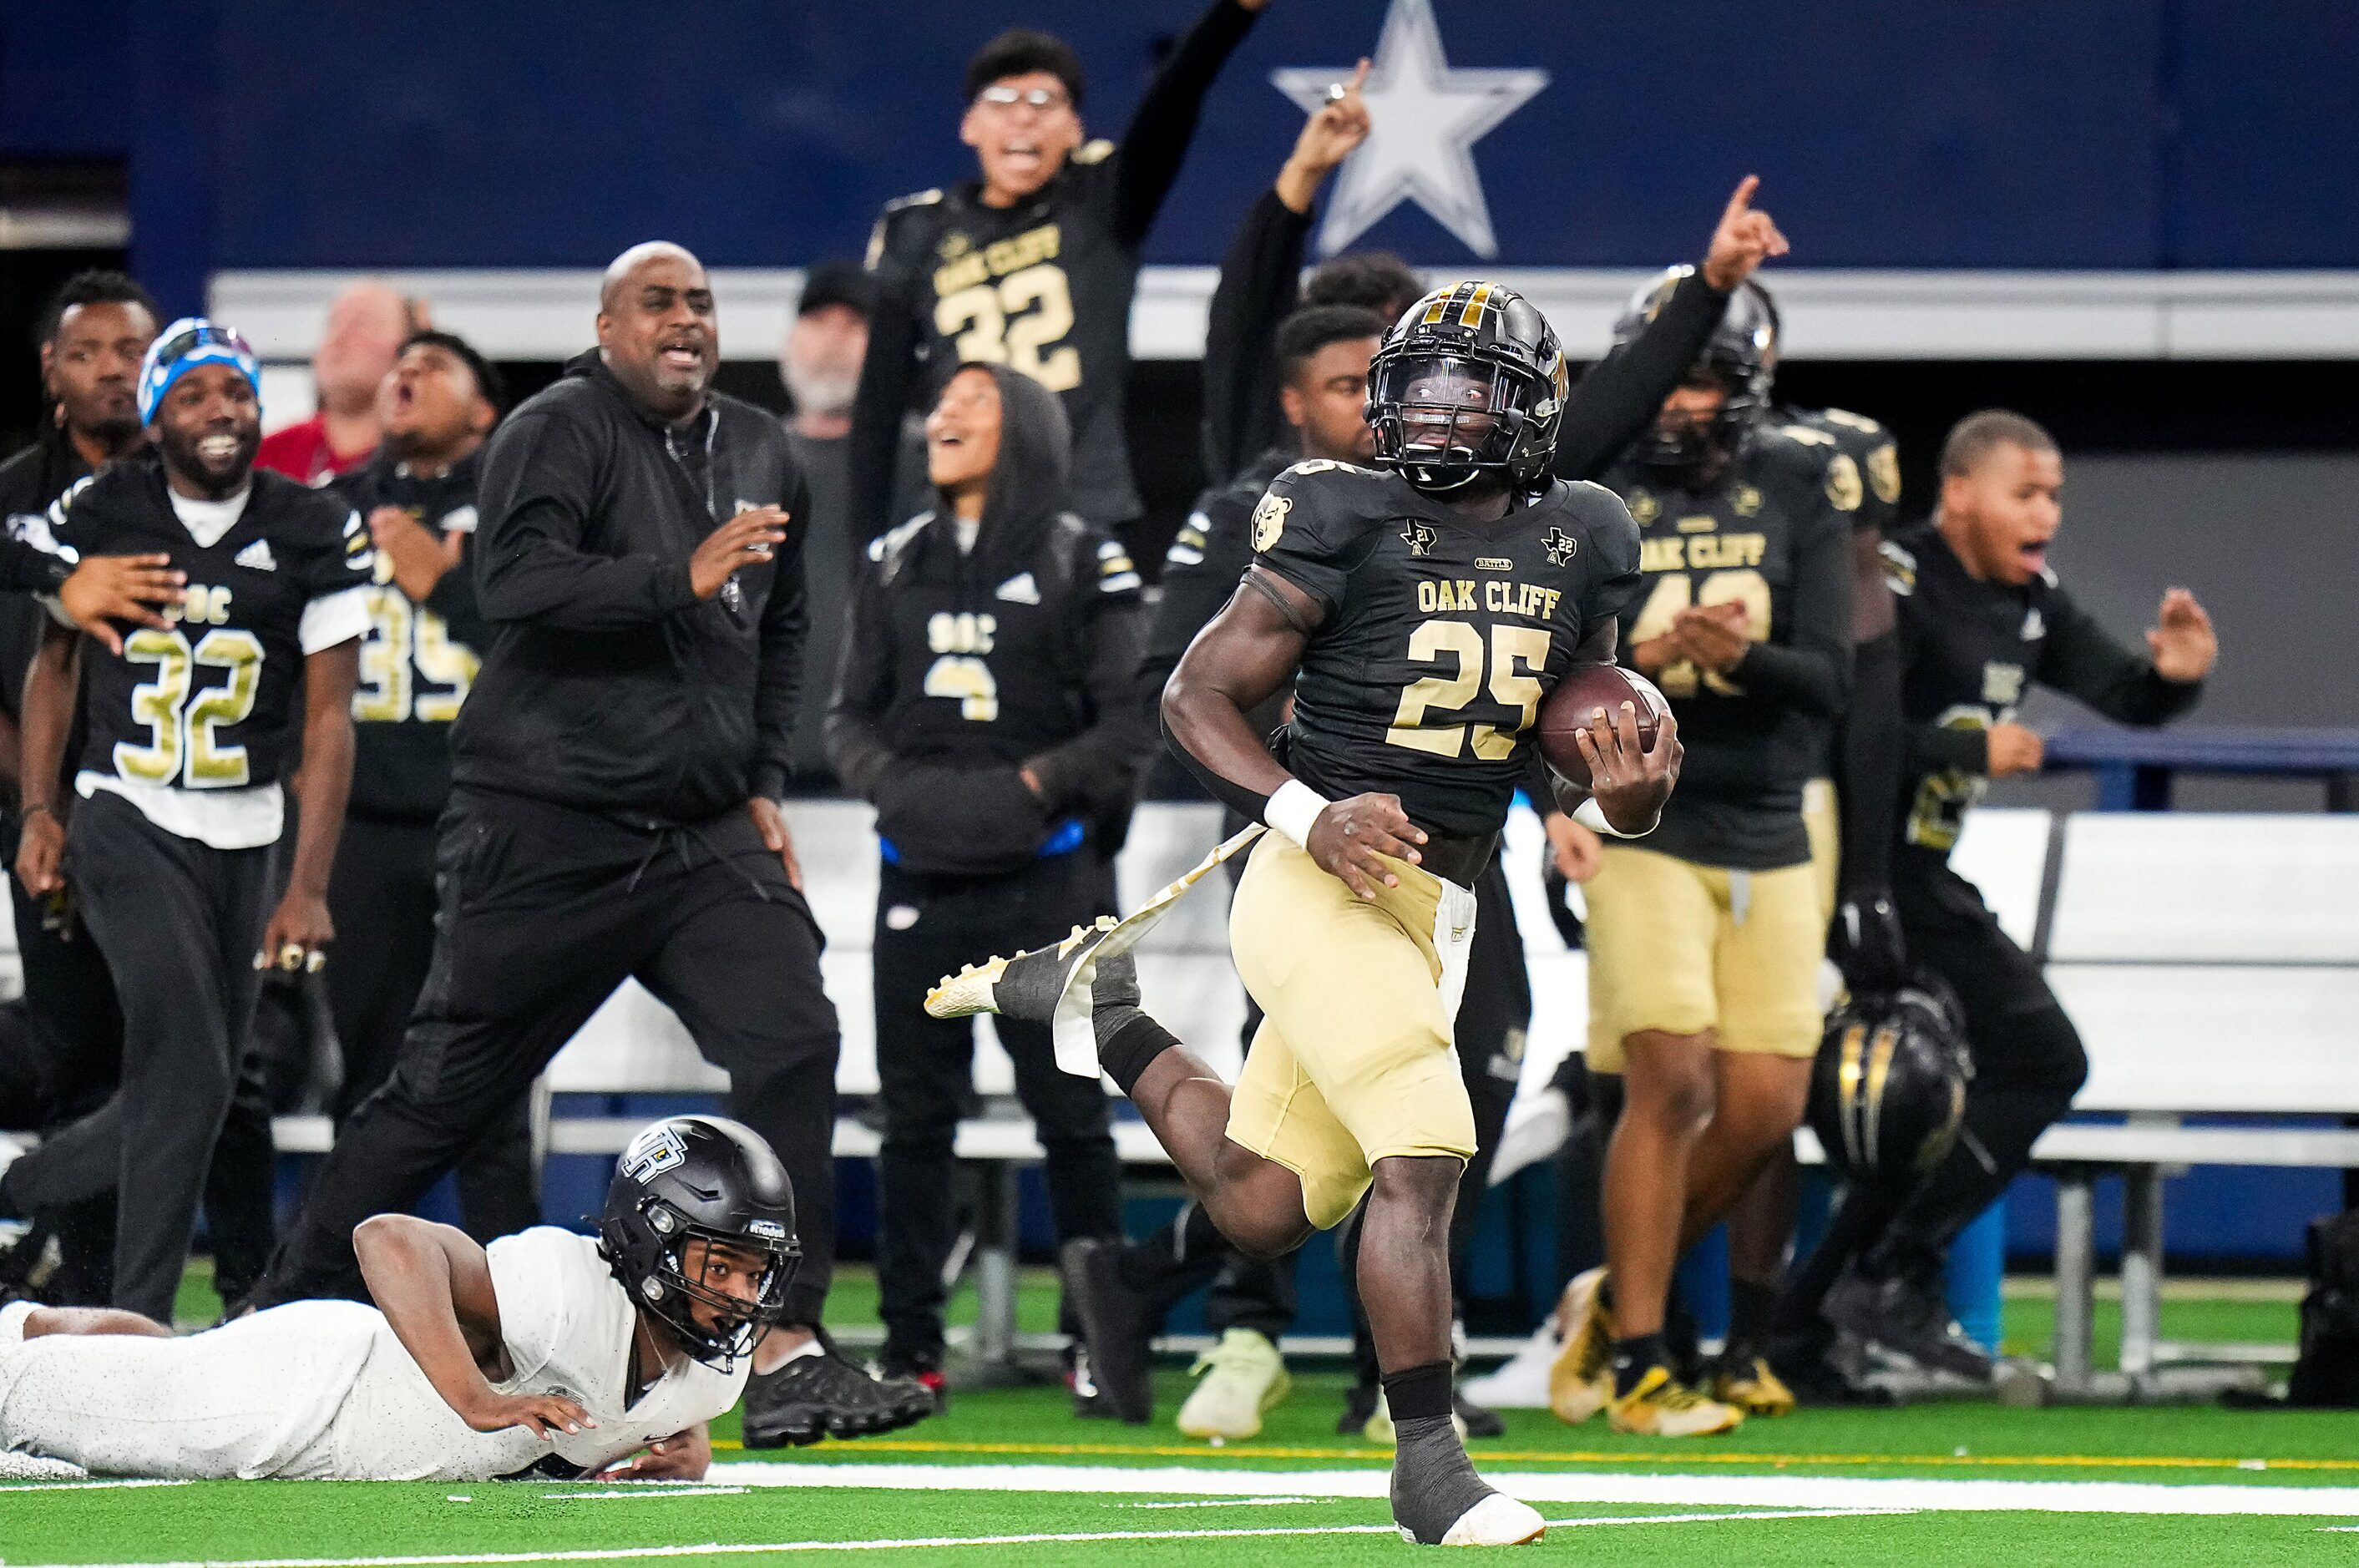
718	1549
1677	1491
85	1487
657	1489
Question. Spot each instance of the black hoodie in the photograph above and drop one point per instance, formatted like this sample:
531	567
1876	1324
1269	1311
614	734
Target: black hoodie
960	669
606	684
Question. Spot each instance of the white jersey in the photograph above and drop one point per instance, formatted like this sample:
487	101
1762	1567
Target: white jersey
323	1389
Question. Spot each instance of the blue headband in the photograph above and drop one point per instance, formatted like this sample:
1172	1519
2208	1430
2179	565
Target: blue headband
188	342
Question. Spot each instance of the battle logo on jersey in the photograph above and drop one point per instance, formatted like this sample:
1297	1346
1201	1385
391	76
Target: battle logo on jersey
1269	519
652	1153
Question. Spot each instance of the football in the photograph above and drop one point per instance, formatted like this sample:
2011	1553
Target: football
1584	690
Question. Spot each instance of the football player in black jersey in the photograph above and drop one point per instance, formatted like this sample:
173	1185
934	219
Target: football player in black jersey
1848	853
1421	612
417	497
189	728
1982	617
1033	265
1705	944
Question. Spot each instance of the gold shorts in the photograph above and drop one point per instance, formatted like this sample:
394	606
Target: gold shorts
1684	948
1822	819
1354	1060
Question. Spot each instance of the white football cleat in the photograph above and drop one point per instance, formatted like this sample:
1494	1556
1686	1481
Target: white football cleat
1497	1521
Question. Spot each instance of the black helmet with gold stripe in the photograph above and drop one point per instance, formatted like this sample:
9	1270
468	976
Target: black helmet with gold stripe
1469	381
1888	1089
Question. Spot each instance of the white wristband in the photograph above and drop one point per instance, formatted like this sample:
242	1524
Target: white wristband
1589	814
1293	809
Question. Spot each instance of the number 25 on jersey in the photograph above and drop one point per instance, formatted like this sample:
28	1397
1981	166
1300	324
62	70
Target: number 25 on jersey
1516	656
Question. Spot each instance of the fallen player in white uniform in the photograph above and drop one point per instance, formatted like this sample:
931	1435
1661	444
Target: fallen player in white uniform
546	1354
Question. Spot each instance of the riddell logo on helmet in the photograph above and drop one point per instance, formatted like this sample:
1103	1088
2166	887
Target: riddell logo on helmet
767	1227
652	1153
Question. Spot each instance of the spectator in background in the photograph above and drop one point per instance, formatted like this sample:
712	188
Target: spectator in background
1033	265
365	328
986	708
819	363
416	665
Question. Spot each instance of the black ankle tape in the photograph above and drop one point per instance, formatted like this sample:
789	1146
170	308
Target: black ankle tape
1127	1048
1419	1392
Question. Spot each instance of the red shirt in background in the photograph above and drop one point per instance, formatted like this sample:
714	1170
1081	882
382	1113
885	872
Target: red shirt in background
301	451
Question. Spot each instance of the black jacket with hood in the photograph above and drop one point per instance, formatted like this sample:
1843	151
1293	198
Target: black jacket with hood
606	684
962	669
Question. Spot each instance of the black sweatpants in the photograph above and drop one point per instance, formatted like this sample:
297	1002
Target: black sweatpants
178	922
544	911
2028	1063
928	927
381	896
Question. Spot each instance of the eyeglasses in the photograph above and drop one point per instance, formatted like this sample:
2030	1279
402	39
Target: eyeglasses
1043	98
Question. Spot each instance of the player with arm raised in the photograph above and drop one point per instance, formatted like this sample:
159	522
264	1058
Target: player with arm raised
1032	265
546	1354
1420	614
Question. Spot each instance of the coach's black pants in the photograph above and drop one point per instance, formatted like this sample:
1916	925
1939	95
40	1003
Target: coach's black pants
928	927
2029	1065
382	898
544	911
178	922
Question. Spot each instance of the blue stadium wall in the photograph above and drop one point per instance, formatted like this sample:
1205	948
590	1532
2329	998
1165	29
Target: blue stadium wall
2124	134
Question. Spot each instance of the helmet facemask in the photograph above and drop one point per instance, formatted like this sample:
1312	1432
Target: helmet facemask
671	1291
1445	420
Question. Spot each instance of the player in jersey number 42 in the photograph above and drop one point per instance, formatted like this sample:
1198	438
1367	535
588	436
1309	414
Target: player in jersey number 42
1420	612
546	1355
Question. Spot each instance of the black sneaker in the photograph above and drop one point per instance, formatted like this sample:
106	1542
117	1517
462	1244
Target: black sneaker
1908	1316
924	1371
1478	1421
1116	1328
813	1397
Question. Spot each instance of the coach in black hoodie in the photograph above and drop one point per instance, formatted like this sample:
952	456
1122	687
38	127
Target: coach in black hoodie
984	708
613	813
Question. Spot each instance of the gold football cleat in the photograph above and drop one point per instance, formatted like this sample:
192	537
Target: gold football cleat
1752	1387
1662	1406
1581	1381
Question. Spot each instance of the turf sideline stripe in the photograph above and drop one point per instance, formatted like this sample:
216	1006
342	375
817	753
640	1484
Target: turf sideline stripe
1610	1457
1673	1490
719	1549
89	1485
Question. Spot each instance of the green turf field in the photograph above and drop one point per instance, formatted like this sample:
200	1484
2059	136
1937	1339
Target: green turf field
1010	1477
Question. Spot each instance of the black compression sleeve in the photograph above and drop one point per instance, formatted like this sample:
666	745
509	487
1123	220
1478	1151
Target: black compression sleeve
1235	797
1260	283
1157	140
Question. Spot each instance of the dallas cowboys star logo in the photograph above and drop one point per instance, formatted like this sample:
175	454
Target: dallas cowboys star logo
1426	119
1560	546
1420	538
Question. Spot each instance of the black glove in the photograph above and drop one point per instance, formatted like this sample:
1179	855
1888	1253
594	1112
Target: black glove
1864	940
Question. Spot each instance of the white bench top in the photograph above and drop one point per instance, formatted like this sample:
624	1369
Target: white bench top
2097	1143
987	1138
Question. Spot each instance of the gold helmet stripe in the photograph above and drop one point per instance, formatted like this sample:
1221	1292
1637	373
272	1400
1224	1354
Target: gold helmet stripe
1473	315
